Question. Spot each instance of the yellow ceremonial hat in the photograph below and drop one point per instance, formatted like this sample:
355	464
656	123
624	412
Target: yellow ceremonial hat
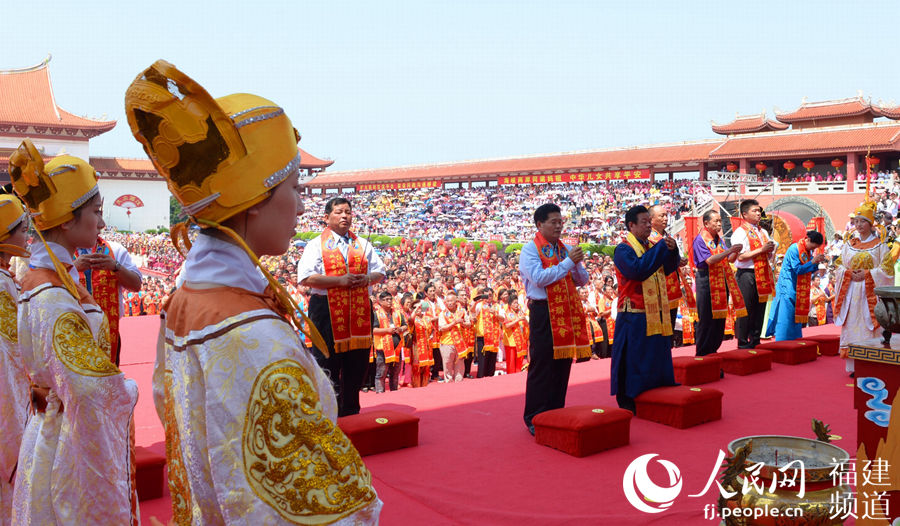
54	191
866	211
218	156
12	213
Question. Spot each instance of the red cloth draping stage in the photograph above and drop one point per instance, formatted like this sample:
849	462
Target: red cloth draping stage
476	463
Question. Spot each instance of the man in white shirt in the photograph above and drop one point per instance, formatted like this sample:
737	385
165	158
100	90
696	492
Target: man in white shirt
339	267
754	273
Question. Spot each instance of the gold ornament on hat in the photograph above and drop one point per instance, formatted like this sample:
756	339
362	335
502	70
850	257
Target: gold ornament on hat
12	214
219	156
52	192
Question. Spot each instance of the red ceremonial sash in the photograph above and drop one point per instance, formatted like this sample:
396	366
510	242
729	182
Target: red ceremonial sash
722	282
687	323
385	342
567	320
455	332
676	284
423	342
801	311
871	298
610	321
516	334
104	289
350	309
491	328
762	271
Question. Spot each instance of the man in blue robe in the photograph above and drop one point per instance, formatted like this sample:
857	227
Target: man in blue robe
781	318
640	361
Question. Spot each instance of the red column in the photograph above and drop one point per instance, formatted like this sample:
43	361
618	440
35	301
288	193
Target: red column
851	171
703	169
744	166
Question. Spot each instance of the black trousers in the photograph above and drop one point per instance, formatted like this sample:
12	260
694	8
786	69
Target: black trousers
438	363
748	329
605	346
548	379
487	361
673	315
710	332
472	357
345	369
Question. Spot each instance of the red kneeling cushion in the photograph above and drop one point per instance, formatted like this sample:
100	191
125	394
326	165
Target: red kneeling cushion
680	406
582	430
746	361
380	431
693	370
829	344
150	473
791	352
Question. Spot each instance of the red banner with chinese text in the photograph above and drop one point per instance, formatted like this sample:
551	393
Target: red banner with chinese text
407	185
608	175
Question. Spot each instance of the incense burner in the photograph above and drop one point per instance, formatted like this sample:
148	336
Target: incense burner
772	476
887	311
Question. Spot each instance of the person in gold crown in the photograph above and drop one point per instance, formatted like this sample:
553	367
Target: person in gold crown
250	418
865	263
14	389
75	463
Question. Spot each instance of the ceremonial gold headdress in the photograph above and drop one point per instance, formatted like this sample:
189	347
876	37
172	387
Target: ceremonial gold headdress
54	191
866	211
12	214
219	156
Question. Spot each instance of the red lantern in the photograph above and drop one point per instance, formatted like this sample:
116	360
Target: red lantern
731	167
761	167
809	165
789	165
872	161
837	163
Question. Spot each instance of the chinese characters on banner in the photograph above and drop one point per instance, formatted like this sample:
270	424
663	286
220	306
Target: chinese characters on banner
609	175
397	186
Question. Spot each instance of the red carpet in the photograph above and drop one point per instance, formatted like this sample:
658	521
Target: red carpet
477	464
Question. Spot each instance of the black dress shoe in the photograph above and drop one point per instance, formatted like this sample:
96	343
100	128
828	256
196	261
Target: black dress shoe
531	429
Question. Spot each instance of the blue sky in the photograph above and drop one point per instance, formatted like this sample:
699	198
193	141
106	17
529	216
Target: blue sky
375	84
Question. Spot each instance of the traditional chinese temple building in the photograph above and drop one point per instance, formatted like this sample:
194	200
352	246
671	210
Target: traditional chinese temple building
136	197
817	138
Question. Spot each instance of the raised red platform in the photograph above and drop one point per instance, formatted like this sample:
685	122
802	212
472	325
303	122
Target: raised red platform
583	430
477	464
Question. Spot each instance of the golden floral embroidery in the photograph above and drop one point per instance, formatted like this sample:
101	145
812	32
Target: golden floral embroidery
295	458
179	488
76	349
8	320
103	337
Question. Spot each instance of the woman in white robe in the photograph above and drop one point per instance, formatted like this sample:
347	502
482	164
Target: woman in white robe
76	463
865	264
15	394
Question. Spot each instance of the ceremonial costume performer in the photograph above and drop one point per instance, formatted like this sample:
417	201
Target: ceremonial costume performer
865	263
550	272
105	270
642	350
792	293
339	267
715	283
754	273
76	460
675	281
15	392
249	416
488	329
